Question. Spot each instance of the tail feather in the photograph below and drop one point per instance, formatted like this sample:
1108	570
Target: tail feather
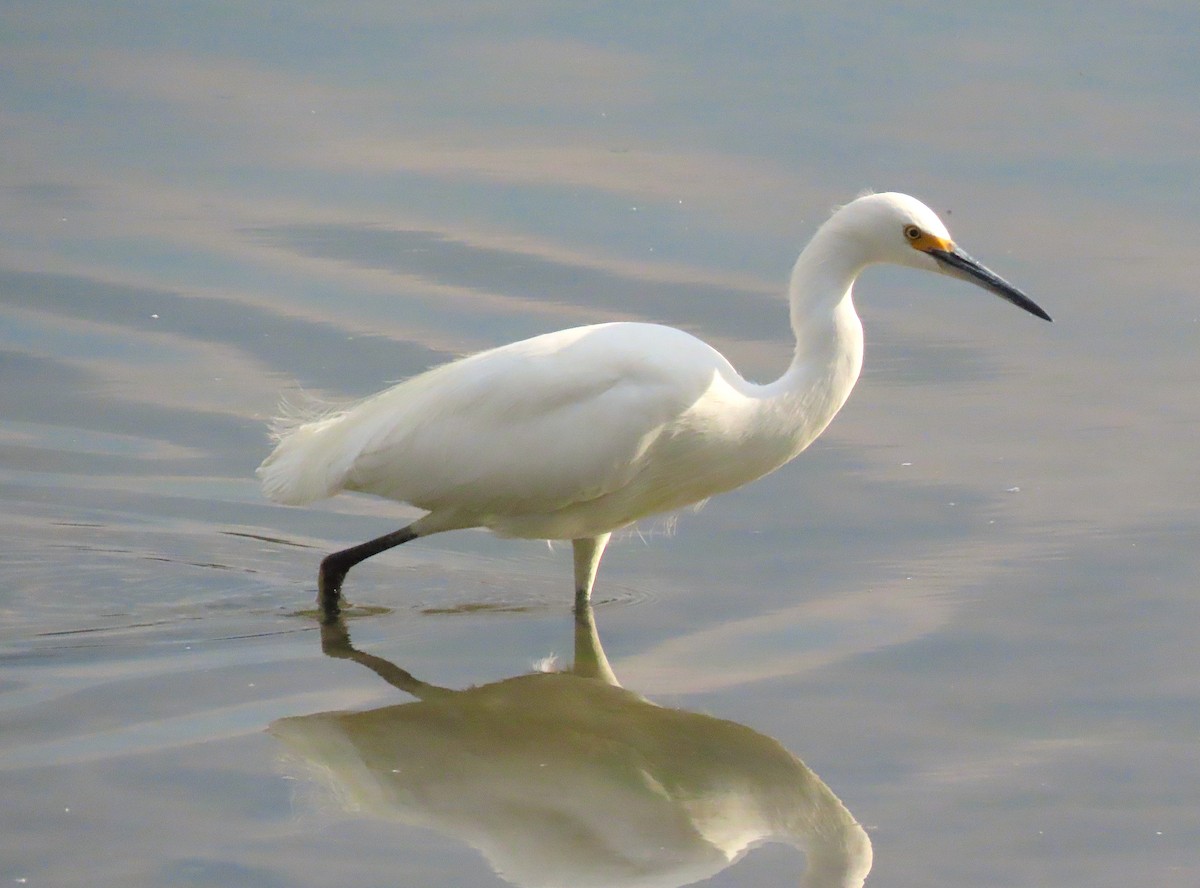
301	409
305	464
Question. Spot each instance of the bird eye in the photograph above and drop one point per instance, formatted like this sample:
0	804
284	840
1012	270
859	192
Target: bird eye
912	232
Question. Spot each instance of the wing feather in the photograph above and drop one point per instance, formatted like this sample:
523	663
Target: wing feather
530	427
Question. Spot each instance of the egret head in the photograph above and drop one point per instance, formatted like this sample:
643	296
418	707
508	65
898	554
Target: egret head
902	230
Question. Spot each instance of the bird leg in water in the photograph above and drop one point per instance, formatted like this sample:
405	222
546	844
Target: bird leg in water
587	551
335	567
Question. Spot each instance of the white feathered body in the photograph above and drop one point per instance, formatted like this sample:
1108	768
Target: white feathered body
567	435
576	434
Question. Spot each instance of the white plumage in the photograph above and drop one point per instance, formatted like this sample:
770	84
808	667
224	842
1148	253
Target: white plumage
574	434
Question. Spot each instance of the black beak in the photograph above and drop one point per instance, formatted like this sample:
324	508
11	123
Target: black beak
958	264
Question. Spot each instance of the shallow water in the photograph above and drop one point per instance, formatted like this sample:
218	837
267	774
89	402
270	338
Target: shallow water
969	609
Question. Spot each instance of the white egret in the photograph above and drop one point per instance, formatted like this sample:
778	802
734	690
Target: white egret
575	434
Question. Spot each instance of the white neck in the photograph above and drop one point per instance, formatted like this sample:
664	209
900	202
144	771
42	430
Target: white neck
819	294
829	339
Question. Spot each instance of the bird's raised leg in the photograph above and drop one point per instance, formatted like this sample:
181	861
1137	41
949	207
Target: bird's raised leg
587	560
335	567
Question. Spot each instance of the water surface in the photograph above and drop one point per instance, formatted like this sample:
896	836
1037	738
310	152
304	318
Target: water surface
969	610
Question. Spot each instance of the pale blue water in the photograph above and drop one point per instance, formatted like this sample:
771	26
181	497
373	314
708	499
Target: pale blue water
970	608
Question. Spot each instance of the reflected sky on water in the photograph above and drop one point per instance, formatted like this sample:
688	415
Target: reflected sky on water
970	606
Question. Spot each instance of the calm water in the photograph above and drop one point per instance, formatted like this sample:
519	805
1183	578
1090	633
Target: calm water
970	609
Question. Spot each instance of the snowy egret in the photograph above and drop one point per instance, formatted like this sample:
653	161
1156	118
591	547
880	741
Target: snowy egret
575	434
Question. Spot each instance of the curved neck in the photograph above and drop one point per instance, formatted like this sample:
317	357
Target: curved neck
819	300
780	419
829	342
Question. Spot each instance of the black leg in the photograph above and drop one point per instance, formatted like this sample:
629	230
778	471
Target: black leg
335	567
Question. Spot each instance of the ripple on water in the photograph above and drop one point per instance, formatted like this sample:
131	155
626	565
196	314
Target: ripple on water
99	580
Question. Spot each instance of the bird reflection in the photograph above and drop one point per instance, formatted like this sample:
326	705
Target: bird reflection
566	778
